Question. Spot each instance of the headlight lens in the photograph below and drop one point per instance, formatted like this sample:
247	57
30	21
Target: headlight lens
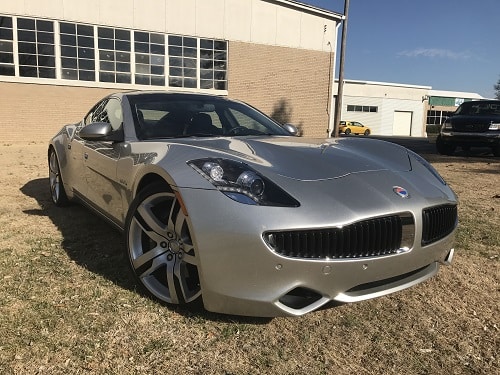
241	183
494	126
447	125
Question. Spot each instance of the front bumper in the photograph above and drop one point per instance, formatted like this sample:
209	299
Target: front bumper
240	274
491	138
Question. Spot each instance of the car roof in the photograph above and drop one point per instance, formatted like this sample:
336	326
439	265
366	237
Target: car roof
192	95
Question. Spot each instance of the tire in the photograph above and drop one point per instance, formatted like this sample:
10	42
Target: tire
496	150
57	192
444	148
367	132
347	131
159	246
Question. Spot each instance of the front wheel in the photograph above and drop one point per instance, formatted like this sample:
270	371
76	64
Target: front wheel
57	192
496	150
367	132
159	246
444	148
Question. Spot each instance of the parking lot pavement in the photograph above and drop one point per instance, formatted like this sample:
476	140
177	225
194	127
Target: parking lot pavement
427	146
420	145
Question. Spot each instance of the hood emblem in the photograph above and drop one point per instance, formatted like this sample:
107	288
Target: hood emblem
402	192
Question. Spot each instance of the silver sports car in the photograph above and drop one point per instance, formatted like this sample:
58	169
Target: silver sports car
219	203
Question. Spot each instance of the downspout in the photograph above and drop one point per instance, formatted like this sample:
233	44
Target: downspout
331	100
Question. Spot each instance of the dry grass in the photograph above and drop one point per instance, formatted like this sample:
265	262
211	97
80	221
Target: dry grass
68	303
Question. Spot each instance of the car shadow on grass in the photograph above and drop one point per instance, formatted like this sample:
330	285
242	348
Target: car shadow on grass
97	246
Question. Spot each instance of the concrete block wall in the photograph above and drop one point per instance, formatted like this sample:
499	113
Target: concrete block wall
34	113
264	76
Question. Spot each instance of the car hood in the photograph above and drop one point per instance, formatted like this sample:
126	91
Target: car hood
304	158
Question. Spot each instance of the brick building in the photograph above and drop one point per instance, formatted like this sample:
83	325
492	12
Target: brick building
58	57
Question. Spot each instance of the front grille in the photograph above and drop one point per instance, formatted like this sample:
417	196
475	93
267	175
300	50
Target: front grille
471	127
438	222
368	238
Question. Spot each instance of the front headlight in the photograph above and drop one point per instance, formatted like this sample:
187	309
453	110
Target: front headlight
241	183
447	125
494	126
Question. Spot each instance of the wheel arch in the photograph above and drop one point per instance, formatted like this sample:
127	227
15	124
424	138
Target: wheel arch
151	178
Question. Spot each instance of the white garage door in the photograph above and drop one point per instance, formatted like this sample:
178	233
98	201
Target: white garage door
402	123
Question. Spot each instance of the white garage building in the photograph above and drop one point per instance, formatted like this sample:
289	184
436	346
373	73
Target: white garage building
399	109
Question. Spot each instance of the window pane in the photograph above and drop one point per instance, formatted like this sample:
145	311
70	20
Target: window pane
6	57
175	40
42	25
86	75
68	51
26	23
47	72
106	77
6	22
87	53
157	70
44	37
141	37
141	47
123	78
69	74
27	59
85	41
26	36
6	33
69	63
158	81
105	32
5	46
189	63
85	30
189	42
68	40
28	71
46	49
106	44
86	64
158	49
26	47
7	70
157	39
142	79
122	34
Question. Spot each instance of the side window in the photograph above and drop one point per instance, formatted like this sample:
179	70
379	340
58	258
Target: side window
246	121
113	113
93	115
108	110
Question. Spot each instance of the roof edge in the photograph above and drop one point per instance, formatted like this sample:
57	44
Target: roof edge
309	9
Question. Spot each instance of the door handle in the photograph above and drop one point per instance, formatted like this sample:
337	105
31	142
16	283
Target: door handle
86	156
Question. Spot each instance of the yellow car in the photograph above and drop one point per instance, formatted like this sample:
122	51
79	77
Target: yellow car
354	127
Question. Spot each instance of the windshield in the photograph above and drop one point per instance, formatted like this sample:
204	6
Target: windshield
180	115
479	108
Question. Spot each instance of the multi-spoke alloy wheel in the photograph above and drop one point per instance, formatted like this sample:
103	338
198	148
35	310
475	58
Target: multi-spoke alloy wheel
57	191
160	248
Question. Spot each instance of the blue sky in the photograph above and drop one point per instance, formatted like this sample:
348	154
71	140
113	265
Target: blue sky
447	44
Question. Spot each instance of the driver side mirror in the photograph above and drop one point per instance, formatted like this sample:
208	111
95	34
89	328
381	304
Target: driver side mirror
101	131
